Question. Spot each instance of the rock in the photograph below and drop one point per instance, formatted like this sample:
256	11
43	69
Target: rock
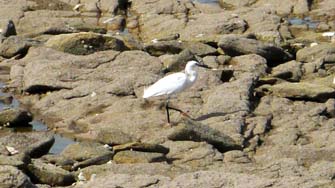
49	174
125	180
234	46
259	125
230	97
300	91
16	45
9	29
213	179
35	23
35	144
251	63
138	157
59	160
192	155
311	54
86	154
163	47
84	43
140	146
84	151
6	99
12	177
324	169
291	71
177	62
194	131
286	7
129	168
113	137
236	4
323	10
236	156
20	161
13	117
130	41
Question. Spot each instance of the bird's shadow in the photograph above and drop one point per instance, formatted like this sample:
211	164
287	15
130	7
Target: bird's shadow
215	114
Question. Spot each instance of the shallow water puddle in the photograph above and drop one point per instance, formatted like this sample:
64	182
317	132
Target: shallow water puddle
304	21
208	1
60	141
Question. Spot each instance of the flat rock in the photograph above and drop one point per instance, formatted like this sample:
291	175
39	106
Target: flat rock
126	180
213	179
291	71
311	54
192	155
234	46
129	156
194	131
300	91
35	144
84	151
49	174
13	117
20	161
251	63
84	43
16	45
230	97
140	146
11	177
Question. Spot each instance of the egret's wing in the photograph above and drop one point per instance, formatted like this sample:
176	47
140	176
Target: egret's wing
172	83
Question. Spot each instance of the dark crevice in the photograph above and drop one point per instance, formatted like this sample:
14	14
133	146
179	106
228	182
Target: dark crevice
40	89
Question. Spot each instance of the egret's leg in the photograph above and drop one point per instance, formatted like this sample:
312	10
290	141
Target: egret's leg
167	110
180	111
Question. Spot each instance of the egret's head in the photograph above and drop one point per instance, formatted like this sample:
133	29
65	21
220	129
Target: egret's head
192	64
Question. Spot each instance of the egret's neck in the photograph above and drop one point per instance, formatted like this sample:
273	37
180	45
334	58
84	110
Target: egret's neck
192	75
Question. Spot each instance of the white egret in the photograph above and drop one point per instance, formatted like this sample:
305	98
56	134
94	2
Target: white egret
174	83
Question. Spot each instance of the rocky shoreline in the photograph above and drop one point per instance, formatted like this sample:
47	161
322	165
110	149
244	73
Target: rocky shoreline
265	117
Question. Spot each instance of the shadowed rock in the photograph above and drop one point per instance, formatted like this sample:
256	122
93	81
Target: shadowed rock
234	46
195	131
138	157
84	43
35	144
11	177
49	174
14	117
301	91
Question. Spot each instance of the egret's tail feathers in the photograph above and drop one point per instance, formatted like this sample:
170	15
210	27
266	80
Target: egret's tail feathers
145	93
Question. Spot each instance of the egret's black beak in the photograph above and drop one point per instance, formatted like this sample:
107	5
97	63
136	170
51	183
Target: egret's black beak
204	66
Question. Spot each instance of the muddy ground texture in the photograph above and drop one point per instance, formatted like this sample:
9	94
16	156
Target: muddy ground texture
264	118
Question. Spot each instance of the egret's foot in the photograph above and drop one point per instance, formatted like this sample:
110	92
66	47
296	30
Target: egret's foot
169	124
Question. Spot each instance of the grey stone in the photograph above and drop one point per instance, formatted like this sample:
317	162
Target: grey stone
138	157
84	43
35	144
300	91
11	177
16	45
291	71
49	174
13	117
311	54
236	156
141	146
194	131
234	46
84	151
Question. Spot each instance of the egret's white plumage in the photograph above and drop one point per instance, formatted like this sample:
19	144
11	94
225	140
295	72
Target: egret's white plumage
173	83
